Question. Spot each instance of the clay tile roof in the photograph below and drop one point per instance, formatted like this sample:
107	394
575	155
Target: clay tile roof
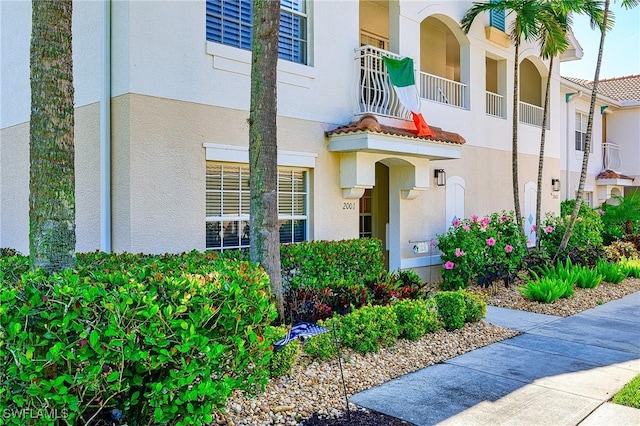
610	174
620	88
369	123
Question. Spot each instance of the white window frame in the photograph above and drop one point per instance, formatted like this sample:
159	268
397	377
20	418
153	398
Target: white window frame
581	122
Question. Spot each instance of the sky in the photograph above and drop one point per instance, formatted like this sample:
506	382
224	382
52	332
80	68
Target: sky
621	55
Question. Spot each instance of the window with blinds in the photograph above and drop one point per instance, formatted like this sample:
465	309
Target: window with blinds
227	205
230	22
581	131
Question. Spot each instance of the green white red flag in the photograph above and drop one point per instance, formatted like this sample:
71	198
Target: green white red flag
403	81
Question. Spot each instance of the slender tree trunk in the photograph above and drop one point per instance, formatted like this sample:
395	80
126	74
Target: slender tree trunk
543	134
514	147
587	143
263	148
52	237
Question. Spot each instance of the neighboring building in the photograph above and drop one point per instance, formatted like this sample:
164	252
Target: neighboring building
162	134
614	159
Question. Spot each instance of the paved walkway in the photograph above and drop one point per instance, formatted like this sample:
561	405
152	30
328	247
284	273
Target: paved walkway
560	371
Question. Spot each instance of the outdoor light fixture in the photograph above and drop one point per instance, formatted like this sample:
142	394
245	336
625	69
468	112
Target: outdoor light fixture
441	177
555	184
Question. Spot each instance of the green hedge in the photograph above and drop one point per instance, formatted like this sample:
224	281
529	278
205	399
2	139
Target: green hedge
156	339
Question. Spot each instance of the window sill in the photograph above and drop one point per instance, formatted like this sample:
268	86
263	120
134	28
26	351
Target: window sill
238	61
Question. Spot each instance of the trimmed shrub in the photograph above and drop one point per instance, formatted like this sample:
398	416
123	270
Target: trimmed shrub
481	250
154	339
283	359
369	328
451	309
630	267
475	304
619	250
416	317
323	345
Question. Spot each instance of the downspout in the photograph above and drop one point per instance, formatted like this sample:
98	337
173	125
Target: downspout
105	132
568	98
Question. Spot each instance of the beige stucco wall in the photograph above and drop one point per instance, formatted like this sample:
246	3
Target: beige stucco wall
14	175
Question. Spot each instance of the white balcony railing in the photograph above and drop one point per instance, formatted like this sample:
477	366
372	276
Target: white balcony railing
495	105
375	92
442	90
611	156
531	114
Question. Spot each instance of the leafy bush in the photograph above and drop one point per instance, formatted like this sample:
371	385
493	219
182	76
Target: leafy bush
546	290
162	339
321	278
585	243
482	250
475	304
611	272
323	345
284	358
621	217
618	250
416	317
451	309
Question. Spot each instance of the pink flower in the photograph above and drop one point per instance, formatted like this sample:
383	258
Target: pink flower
485	221
466	228
548	229
456	222
474	218
491	241
579	219
433	243
449	265
533	229
459	252
601	212
508	248
503	219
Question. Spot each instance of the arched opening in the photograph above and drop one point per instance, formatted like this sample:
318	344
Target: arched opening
531	93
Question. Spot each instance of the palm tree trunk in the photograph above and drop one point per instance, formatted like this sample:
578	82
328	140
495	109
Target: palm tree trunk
52	237
587	143
263	148
543	134
514	147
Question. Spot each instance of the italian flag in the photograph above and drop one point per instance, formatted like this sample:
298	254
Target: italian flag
403	80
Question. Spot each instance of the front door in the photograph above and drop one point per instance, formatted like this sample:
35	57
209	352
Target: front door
374	210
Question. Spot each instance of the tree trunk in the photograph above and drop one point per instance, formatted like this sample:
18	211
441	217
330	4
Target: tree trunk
587	143
514	146
543	134
263	149
52	237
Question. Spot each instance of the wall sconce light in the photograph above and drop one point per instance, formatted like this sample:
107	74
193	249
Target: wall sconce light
555	184
441	177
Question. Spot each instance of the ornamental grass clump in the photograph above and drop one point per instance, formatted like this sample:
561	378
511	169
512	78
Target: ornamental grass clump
587	277
630	267
546	290
612	273
481	250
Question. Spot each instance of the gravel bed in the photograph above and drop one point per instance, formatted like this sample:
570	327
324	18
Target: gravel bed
312	394
583	299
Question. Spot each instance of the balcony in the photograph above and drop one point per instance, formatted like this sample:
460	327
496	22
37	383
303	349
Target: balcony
376	94
495	105
438	89
531	114
611	156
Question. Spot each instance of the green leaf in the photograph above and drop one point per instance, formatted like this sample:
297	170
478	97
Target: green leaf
94	338
113	376
158	414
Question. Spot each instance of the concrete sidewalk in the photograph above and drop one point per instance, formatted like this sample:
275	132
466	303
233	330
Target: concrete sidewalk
560	371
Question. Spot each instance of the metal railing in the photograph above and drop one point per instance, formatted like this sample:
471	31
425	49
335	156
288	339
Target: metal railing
375	92
495	105
443	90
531	114
611	156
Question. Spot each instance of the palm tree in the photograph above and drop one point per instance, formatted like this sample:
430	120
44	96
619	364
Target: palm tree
627	4
553	41
263	166
52	236
525	26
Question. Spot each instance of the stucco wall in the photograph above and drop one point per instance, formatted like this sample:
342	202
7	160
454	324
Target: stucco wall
623	128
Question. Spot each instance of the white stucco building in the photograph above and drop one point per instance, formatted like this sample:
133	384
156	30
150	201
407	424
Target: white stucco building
162	98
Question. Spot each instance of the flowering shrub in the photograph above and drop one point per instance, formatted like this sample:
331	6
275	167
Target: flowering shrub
482	250
585	244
